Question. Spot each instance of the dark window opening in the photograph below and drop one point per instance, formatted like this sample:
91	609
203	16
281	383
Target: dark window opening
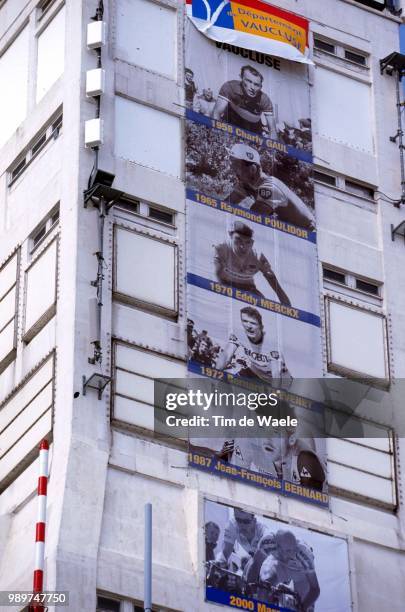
45	5
55	217
18	169
324	46
333	275
325	178
161	215
107	605
57	126
367	287
38	145
358	189
39	235
357	58
129	204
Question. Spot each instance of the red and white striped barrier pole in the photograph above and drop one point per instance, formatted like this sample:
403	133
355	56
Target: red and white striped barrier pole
38	582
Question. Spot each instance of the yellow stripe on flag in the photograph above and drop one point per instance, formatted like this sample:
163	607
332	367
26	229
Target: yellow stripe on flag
260	23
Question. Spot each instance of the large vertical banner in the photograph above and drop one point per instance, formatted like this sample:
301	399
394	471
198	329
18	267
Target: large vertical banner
261	564
252	271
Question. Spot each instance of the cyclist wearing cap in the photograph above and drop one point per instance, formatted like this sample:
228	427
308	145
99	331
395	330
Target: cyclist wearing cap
243	103
255	354
236	263
262	193
301	463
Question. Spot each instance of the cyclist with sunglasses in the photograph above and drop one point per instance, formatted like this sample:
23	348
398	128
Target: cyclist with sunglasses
243	530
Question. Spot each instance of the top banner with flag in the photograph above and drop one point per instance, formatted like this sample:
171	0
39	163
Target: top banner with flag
254	25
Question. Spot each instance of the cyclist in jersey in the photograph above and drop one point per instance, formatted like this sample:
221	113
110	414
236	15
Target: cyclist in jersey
244	104
255	353
236	263
264	194
291	560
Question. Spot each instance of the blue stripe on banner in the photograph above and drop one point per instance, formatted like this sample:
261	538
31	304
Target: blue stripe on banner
205	461
306	494
254	300
267	144
211	463
235	600
267	221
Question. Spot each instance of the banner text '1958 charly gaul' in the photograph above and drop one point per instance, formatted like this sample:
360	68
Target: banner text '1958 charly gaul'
252	268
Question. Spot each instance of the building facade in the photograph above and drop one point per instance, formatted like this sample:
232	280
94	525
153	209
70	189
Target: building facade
105	460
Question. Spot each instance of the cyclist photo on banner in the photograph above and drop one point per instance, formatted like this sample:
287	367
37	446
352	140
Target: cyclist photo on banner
259	559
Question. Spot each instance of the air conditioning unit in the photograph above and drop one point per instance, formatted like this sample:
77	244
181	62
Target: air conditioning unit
95	82
93	133
96	34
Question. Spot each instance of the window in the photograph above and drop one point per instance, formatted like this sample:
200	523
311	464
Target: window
8	310
364	467
359	189
343	183
18	169
105	604
51	53
322	177
14	72
357	343
57	126
332	275
37	238
164	216
26	418
44	6
324	46
357	58
139	24
138	136
40	292
146	271
39	144
351	281
341	52
44	228
367	287
144	209
376	4
135	372
48	133
129	204
343	110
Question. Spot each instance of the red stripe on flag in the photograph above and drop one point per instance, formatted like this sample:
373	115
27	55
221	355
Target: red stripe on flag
40	532
273	10
38	581
42	485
